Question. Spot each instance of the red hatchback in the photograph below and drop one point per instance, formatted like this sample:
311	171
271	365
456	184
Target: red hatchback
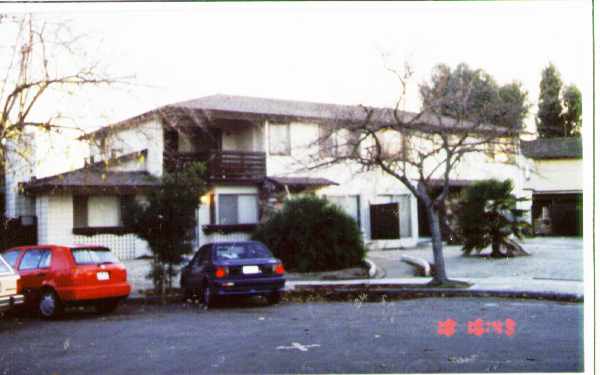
53	276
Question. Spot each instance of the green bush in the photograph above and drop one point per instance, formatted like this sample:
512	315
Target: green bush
310	234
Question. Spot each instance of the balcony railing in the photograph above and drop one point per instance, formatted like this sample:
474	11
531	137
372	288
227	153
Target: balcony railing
227	165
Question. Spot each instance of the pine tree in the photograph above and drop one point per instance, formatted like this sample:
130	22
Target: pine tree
550	122
572	115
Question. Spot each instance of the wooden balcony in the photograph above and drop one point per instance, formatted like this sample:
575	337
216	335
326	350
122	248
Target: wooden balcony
226	166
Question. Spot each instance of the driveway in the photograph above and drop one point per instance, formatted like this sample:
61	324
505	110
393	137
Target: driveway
553	258
349	337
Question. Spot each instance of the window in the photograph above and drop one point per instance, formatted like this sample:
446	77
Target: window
99	211
4	267
46	259
93	256
31	259
337	143
11	257
404	212
279	139
80	211
238	209
247	250
350	204
392	144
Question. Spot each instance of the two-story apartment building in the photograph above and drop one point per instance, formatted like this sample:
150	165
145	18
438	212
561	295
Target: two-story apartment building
256	151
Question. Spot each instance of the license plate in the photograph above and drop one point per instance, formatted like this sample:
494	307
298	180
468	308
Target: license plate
250	270
102	276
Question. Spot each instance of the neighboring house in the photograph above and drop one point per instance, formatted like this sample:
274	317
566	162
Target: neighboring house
256	152
555	181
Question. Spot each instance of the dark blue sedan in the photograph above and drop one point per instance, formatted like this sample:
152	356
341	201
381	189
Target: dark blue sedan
243	268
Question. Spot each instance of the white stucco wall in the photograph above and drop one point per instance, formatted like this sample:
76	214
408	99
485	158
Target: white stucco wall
20	167
372	185
55	225
55	218
561	175
145	136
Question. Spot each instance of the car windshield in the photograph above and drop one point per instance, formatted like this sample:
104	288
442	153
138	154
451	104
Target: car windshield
95	255
4	268
246	250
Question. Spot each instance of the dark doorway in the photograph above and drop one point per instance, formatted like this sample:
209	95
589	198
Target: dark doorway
557	214
385	221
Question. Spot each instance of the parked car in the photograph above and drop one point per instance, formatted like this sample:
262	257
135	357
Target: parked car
233	268
9	287
53	276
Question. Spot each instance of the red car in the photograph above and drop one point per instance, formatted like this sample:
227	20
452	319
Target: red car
53	276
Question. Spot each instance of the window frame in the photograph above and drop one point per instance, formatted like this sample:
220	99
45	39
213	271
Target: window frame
237	221
394	198
88	230
288	142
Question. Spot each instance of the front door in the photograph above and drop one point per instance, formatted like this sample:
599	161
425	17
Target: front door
385	221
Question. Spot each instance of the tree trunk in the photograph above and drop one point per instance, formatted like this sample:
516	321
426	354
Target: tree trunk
433	216
496	253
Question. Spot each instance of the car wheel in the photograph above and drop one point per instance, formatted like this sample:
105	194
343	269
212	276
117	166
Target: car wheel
207	297
49	305
274	298
105	307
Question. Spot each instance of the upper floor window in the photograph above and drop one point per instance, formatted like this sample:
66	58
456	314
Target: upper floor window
392	143
337	142
279	139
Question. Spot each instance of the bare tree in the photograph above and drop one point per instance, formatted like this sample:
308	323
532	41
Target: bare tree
421	150
43	59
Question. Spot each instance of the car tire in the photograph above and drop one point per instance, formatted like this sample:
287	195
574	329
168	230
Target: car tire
108	306
207	296
274	298
49	305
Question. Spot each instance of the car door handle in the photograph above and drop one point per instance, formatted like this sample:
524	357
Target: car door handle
42	274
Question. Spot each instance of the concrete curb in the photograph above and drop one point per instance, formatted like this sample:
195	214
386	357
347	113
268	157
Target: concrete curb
421	264
380	291
377	292
372	267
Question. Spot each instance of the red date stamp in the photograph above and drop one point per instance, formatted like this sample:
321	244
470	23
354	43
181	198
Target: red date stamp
478	327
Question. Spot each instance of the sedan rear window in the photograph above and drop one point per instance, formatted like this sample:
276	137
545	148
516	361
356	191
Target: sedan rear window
94	255
241	251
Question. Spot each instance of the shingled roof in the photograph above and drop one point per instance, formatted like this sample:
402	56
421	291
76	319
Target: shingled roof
206	109
93	180
553	148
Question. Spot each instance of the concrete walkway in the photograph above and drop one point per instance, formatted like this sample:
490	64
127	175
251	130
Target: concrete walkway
557	258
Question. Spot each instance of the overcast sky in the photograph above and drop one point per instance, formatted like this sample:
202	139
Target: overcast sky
332	52
322	52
